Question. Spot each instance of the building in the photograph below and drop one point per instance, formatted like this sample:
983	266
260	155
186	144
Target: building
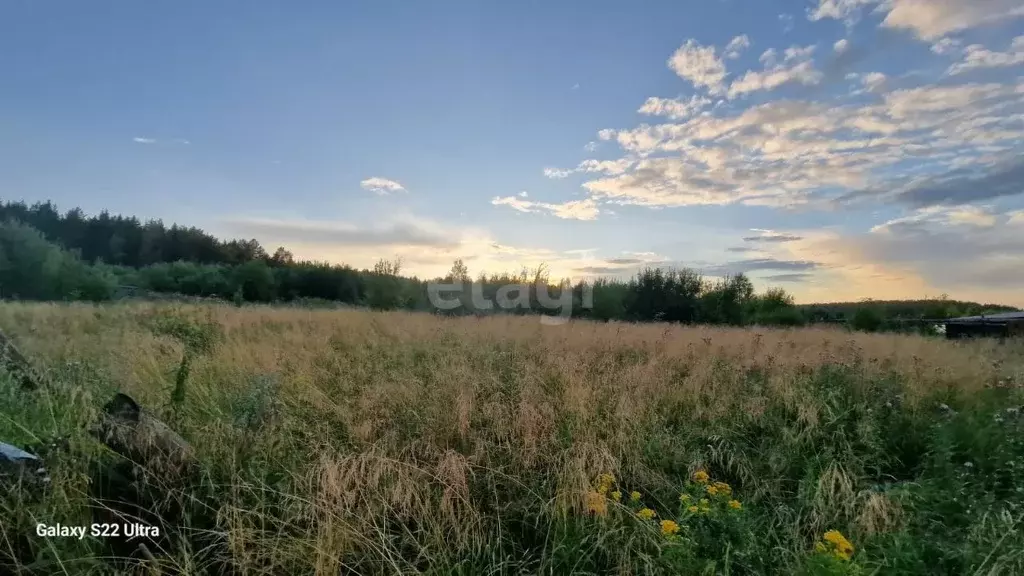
995	325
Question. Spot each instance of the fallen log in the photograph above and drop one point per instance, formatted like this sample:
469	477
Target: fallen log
142	438
14	362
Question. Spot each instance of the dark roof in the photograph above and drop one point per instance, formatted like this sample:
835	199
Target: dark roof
1003	317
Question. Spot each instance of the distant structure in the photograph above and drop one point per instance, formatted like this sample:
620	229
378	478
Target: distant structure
993	325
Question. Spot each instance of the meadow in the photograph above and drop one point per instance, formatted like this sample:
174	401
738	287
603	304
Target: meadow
358	442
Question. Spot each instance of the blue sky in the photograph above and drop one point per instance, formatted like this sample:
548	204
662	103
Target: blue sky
839	148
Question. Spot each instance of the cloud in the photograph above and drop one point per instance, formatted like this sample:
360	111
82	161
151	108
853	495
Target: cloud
141	140
874	81
963	186
953	248
969	252
792	278
523	194
590	165
771	236
573	210
969	216
626	261
841	45
758	264
381	186
590	146
604	271
736	46
621	267
557	173
793	152
741	249
977	56
946	46
846	10
787	22
796	66
674	109
404	233
426	248
932	19
927	19
700	65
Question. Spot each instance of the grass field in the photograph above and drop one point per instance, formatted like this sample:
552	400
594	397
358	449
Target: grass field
382	443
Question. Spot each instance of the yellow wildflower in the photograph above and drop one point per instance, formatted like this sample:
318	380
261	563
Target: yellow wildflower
703	502
668	527
841	547
735	504
712	490
596	504
705	510
634	496
684	498
646	513
616	495
692	509
723	488
820	547
701	477
604	483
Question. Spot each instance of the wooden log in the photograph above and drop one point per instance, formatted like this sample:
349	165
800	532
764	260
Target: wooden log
140	437
14	362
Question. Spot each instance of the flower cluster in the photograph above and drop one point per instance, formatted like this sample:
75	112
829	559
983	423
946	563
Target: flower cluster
836	544
646	513
702	497
716	493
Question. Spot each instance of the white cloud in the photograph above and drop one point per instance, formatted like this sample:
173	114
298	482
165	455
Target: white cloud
606	134
700	65
674	108
932	19
789	152
977	56
874	81
573	210
606	166
841	45
969	216
141	140
523	194
796	66
847	10
946	46
929	20
590	146
557	173
381	186
736	46
787	22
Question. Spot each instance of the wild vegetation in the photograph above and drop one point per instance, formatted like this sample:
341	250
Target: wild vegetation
47	255
351	441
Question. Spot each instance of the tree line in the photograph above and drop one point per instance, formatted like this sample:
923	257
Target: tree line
49	255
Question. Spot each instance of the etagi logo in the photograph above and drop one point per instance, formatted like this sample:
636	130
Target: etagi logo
449	296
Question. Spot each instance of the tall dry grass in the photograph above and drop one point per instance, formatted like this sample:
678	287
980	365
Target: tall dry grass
405	443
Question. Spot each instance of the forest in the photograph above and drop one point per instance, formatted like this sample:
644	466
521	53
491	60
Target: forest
49	255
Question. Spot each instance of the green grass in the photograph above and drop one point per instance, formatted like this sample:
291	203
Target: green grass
384	443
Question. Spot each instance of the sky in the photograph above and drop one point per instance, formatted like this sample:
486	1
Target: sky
840	149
